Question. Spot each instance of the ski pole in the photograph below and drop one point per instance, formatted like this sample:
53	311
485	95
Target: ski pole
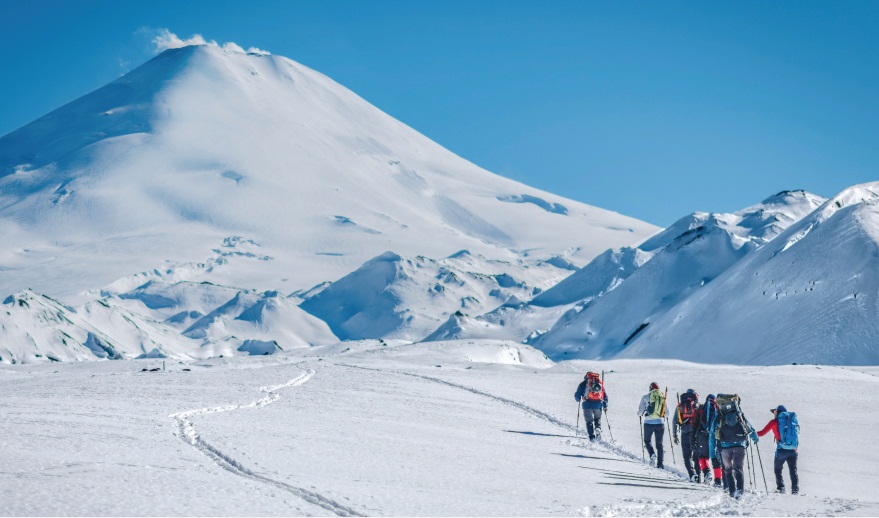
765	485
747	426
670	443
754	464
748	468
577	426
607	420
606	417
663	413
641	426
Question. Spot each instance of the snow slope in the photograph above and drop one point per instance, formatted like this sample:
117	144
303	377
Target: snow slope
666	270
809	296
182	320
204	144
374	428
391	296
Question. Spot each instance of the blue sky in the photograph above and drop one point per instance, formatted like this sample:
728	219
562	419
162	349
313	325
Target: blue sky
651	109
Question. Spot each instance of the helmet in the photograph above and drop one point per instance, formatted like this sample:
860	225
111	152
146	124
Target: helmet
654	386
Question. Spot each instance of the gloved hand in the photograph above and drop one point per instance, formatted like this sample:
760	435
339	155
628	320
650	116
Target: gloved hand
604	406
754	437
677	441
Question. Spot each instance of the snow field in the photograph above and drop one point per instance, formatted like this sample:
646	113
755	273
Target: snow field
382	430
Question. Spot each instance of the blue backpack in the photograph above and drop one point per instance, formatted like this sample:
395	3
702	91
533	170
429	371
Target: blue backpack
788	431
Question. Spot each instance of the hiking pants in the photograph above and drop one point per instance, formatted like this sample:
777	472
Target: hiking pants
717	463
790	456
734	468
687	448
649	431
592	416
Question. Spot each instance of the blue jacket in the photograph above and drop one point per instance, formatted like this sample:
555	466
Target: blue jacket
587	405
712	440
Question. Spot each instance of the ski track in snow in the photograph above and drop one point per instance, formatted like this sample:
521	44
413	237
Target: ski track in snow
717	504
187	432
609	446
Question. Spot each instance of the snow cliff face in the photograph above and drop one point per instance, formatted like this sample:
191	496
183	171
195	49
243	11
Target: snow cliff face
621	304
199	144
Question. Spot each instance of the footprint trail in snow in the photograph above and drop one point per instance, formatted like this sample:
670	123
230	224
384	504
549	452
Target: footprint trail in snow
187	432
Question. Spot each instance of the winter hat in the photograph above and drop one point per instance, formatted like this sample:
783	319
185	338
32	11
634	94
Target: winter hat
779	409
654	386
712	397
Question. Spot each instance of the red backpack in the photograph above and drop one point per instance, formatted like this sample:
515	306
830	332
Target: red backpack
594	387
689	403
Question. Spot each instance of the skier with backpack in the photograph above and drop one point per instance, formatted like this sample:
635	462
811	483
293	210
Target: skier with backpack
688	404
786	430
732	431
653	408
593	398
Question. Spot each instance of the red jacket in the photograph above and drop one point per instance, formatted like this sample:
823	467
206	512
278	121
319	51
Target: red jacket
771	425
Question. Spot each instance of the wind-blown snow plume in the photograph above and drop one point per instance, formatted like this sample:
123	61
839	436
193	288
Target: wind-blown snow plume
165	39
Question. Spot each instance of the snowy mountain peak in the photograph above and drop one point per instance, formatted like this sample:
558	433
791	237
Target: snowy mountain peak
670	268
858	194
212	143
788	197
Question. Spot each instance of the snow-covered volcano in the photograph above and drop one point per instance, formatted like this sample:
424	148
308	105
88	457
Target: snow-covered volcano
200	144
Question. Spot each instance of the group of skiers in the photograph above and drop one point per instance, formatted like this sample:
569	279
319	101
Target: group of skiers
714	436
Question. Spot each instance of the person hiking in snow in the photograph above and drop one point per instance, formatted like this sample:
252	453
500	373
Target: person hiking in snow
654	408
704	424
701	454
593	398
731	431
786	430
688	404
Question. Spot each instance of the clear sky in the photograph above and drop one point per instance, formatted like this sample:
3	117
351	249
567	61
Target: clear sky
651	109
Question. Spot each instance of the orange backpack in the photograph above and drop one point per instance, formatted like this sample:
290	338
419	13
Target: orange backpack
594	387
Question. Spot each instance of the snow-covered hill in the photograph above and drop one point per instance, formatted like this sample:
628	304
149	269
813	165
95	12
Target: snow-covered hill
624	293
155	170
396	297
809	296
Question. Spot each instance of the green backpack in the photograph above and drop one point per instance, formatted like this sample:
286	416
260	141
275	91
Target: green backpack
655	405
